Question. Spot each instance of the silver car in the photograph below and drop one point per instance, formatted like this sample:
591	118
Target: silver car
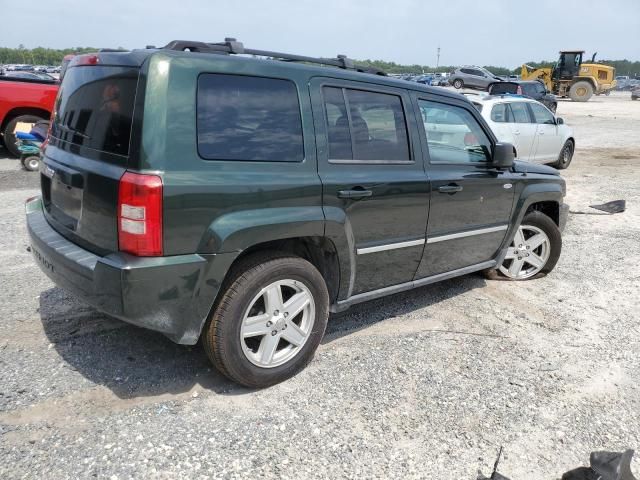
472	77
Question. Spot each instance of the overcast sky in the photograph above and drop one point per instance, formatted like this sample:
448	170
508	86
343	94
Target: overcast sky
488	32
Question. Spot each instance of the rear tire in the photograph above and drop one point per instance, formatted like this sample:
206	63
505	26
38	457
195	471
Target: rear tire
535	227
581	91
31	163
565	156
9	136
254	337
458	84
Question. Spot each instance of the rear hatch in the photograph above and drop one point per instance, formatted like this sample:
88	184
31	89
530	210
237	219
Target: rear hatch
501	88
89	148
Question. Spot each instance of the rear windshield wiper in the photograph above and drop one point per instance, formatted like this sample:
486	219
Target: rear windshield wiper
74	131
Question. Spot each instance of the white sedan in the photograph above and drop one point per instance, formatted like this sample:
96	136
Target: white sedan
536	133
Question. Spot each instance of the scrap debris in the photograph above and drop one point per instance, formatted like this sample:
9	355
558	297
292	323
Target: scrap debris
615	206
603	466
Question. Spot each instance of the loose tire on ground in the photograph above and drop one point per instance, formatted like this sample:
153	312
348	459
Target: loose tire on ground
581	91
458	84
10	138
242	303
565	156
533	223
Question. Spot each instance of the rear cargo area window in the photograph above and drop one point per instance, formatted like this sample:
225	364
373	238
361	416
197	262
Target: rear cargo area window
248	118
94	108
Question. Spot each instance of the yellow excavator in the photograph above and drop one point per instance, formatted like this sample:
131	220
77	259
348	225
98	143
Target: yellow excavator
572	78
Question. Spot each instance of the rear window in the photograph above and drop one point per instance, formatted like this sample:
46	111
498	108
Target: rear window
501	88
248	118
94	108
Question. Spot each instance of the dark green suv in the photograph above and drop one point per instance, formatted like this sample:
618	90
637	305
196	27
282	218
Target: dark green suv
207	191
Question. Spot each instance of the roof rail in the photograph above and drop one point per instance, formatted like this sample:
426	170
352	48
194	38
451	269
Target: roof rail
232	46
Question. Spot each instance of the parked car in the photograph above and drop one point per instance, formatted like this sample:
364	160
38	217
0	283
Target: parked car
440	80
635	93
23	102
32	76
472	77
529	88
239	200
536	133
424	79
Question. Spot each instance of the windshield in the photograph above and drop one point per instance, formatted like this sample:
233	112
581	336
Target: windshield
94	108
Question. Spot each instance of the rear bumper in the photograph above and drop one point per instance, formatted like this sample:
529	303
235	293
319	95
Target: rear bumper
172	295
563	216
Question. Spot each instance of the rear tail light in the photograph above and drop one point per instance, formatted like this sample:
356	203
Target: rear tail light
140	214
83	60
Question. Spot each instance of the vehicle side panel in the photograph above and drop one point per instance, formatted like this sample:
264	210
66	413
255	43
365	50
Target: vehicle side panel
25	95
215	206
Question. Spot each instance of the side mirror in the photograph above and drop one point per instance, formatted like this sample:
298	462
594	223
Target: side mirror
503	155
559	121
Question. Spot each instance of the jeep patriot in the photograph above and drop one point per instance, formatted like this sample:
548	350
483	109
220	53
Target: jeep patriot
236	197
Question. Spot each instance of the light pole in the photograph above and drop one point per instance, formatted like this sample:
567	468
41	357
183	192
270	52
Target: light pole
438	59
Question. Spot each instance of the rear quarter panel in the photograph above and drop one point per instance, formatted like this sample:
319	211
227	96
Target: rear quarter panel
216	206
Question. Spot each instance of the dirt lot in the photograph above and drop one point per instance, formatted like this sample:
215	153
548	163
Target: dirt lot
426	384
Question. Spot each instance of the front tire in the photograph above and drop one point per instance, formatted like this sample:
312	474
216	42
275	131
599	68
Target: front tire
534	251
581	91
268	321
565	156
458	84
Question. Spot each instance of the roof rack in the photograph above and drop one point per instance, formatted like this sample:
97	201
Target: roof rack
232	46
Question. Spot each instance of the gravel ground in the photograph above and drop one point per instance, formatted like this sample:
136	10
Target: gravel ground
426	384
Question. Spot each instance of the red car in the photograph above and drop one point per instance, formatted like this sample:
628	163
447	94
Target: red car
23	102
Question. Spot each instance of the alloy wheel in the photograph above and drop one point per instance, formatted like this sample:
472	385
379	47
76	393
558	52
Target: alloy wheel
278	323
528	253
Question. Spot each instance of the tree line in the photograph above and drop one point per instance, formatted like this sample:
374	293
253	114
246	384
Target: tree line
51	56
39	55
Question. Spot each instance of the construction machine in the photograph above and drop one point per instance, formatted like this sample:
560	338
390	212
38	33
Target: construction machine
572	78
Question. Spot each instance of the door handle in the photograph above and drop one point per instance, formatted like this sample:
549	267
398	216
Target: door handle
355	193
451	188
516	132
540	133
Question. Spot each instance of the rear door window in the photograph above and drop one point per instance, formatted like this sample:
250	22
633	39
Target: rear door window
364	125
337	124
378	127
248	118
519	113
94	108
